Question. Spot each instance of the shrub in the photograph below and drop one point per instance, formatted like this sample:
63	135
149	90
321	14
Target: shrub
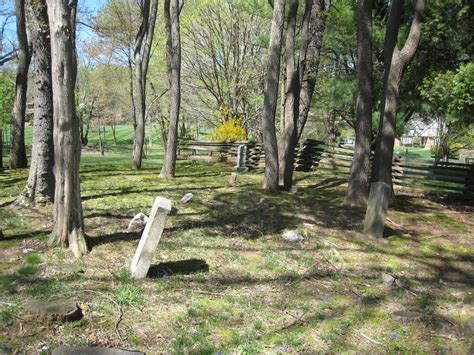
230	130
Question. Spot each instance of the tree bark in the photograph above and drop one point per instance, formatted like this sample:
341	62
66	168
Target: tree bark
40	186
18	157
143	43
291	101
358	190
69	223
309	61
396	61
173	55
270	97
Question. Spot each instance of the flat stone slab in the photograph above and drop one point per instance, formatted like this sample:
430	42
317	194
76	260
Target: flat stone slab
75	350
59	309
408	316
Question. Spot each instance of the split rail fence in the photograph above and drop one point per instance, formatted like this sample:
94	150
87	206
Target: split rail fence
335	162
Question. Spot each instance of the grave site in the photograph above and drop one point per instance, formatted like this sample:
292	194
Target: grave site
236	177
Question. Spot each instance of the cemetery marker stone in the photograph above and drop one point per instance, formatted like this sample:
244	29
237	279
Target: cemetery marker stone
150	238
377	207
241	158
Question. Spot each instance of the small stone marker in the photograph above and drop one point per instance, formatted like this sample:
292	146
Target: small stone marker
234	179
150	238
92	350
186	198
388	280
292	236
407	316
60	309
241	159
374	223
469	327
138	222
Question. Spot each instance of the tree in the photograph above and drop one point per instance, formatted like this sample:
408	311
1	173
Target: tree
450	96
7	94
395	61
301	75
18	157
40	185
270	97
69	222
172	9
141	55
358	189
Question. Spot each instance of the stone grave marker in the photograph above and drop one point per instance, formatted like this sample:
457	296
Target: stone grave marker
374	223
241	159
150	238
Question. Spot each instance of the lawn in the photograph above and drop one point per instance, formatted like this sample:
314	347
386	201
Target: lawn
225	280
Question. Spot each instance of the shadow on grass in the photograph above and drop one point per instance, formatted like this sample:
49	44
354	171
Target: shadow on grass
181	267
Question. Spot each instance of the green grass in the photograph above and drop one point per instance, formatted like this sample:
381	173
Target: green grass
261	293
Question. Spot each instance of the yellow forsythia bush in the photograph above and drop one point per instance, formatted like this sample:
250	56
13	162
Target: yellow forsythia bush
229	130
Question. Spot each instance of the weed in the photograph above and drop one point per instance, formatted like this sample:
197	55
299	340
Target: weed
7	315
7	284
28	270
128	294
33	259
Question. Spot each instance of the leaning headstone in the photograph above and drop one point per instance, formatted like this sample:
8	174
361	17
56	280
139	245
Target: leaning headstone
60	309
150	238
92	350
241	159
186	198
377	207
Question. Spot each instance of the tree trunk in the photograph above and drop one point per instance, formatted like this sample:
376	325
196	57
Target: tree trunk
358	190
69	222
291	101
17	149
173	54
40	185
1	149
309	61
270	97
396	61
143	43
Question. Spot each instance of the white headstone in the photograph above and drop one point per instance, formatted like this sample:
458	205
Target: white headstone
150	238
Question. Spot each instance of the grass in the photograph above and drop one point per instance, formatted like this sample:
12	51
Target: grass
259	293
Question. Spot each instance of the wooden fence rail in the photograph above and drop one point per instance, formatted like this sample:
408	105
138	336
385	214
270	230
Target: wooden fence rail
327	160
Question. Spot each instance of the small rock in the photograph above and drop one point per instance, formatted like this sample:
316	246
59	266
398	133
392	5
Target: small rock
28	250
138	222
234	179
293	190
186	198
221	173
309	225
388	280
469	327
292	236
407	316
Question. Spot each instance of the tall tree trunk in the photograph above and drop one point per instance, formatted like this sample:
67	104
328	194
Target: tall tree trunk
69	222
396	61
270	97
358	190
309	61
143	44
17	149
40	186
1	149
291	101
173	54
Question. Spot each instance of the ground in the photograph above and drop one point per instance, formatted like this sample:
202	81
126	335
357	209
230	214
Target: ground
227	281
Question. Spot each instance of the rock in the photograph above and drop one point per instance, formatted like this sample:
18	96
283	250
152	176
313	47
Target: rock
60	309
75	350
293	190
292	236
138	222
186	198
28	250
407	316
388	280
469	327
150	238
